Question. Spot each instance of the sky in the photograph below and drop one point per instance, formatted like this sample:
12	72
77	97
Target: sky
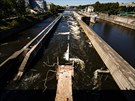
83	2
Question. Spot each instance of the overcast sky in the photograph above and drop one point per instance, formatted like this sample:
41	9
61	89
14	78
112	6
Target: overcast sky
83	2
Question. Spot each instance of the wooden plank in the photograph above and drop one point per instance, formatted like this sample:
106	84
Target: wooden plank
64	86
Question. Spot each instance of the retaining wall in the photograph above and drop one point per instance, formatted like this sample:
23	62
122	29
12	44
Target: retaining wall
123	21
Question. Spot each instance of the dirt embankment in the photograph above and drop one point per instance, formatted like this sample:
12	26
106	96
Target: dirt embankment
14	26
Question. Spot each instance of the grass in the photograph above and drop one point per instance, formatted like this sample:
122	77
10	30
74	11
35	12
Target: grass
8	24
5	25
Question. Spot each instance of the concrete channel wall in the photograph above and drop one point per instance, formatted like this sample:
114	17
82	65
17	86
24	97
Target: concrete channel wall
19	61
123	21
121	71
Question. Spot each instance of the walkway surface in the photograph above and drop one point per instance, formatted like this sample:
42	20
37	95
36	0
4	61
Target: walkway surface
122	72
64	86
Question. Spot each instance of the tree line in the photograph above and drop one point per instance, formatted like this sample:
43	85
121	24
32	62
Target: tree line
110	8
55	8
9	8
13	8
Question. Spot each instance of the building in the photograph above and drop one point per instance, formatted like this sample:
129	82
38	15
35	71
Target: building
32	11
90	9
26	3
129	4
49	5
38	5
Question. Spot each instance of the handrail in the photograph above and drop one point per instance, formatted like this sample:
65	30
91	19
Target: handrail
17	53
28	54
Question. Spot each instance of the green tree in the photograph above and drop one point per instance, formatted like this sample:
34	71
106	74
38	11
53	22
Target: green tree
55	8
97	6
10	8
7	8
110	8
1	9
21	8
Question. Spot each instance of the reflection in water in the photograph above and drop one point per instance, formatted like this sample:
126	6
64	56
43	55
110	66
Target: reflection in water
119	38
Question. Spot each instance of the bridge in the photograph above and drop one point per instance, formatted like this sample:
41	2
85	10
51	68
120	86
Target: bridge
92	16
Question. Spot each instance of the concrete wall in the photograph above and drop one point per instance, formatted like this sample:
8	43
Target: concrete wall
10	67
123	21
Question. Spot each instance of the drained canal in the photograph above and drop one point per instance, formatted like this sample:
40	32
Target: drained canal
120	38
68	42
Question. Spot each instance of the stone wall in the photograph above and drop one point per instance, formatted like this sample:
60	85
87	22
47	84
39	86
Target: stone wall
123	21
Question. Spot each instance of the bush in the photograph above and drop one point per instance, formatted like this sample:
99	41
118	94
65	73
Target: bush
13	23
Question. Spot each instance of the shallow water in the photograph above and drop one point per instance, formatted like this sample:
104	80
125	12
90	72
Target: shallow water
67	43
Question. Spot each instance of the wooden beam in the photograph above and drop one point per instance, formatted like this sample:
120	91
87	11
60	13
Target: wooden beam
64	85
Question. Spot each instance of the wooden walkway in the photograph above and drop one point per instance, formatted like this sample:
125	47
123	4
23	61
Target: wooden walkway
64	85
122	72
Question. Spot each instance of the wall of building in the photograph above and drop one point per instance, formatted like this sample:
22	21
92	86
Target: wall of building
38	5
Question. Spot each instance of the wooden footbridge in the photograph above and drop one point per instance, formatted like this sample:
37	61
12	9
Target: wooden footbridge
64	86
122	72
